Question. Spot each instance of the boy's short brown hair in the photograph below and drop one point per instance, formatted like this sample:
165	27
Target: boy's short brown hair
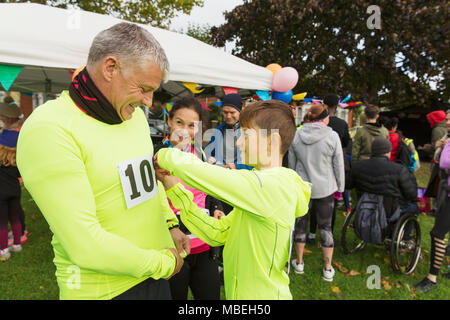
371	111
270	115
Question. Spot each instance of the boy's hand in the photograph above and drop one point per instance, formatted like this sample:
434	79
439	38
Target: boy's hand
164	175
179	264
230	166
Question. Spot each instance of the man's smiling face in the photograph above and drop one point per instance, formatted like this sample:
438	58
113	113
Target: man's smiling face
134	87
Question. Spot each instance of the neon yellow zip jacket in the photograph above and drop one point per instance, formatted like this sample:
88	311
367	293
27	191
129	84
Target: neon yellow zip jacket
256	234
70	165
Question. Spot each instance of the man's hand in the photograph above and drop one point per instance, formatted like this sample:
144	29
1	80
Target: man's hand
439	144
218	214
182	241
230	166
179	263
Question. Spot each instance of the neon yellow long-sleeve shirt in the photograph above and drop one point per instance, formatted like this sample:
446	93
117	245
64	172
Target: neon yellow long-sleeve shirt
256	234
95	186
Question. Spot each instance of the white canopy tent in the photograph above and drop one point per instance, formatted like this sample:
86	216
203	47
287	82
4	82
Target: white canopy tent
50	41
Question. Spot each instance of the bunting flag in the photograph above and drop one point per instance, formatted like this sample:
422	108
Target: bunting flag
8	74
347	98
192	86
218	103
229	90
299	96
205	107
263	95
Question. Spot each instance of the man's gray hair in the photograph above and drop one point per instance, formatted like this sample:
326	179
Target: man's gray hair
131	44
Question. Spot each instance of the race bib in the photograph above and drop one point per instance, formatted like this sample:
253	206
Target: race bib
138	180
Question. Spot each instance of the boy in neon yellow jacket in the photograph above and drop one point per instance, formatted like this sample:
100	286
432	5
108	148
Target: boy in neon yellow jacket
256	234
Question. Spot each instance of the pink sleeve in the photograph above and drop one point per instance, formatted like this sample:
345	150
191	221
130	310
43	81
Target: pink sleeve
444	162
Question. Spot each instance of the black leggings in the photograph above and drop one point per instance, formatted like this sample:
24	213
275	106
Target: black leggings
440	228
10	210
149	289
313	220
200	273
323	209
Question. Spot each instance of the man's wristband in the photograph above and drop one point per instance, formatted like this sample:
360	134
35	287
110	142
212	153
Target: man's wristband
174	226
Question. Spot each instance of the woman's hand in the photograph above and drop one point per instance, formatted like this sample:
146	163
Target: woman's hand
218	214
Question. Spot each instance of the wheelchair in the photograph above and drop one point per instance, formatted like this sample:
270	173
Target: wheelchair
403	241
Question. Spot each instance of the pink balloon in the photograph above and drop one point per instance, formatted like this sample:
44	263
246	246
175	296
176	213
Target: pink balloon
285	79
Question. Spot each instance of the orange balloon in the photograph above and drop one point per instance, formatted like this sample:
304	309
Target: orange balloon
274	67
77	72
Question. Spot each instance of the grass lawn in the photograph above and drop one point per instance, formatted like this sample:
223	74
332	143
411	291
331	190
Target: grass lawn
30	274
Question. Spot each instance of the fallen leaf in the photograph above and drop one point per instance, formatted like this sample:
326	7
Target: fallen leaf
353	273
386	284
385	293
335	289
386	260
340	267
307	252
377	255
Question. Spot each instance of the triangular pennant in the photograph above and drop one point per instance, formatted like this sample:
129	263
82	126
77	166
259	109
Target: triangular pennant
229	90
263	95
192	86
299	96
8	74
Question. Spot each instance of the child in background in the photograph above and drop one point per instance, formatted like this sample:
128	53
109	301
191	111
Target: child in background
266	201
10	193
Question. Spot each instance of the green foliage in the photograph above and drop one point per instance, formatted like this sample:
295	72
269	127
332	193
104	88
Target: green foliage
157	13
330	45
200	32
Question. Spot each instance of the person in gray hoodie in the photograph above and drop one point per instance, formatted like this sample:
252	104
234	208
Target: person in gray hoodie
316	155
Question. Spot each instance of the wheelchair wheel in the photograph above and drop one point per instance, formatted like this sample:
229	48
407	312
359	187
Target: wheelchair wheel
349	241
406	244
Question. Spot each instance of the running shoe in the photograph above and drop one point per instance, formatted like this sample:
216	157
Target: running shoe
328	275
16	248
299	268
4	254
425	285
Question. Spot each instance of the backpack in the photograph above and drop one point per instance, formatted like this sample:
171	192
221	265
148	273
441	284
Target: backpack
370	219
405	155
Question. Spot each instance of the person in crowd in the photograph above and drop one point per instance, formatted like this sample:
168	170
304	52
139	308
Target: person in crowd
10	192
379	176
341	128
367	133
87	161
316	155
395	137
442	217
266	202
199	272
436	119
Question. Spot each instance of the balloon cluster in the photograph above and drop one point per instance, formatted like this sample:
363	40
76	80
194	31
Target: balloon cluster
283	81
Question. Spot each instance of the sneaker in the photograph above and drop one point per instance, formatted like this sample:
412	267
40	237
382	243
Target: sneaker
24	238
425	285
10	242
298	267
4	255
16	248
328	275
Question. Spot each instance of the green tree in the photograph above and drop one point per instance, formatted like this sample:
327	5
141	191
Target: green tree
200	32
332	47
157	13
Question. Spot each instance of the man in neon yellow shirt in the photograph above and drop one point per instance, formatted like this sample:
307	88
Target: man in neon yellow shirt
266	201
86	158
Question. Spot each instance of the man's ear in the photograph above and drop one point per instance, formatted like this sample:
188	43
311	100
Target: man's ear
109	68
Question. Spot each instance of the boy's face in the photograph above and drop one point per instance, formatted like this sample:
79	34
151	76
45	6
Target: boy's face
257	147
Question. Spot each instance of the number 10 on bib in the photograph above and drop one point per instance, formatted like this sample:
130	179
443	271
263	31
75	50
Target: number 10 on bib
138	180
